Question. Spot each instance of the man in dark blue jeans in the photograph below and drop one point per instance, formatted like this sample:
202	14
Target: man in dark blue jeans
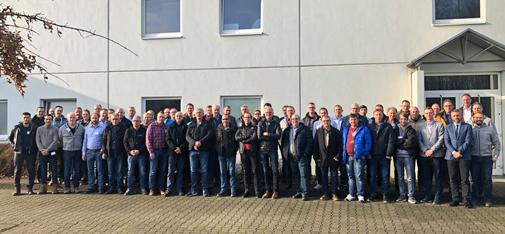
485	151
177	154
135	145
91	153
47	141
113	149
269	133
71	136
22	139
226	147
383	148
157	146
199	136
296	144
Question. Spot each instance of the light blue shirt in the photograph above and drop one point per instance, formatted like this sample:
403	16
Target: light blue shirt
58	122
93	137
337	123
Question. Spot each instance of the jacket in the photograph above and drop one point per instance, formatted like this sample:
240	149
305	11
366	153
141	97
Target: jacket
485	141
176	137
47	138
431	141
407	141
135	139
362	143
309	121
268	144
460	143
71	141
247	135
383	139
109	144
17	142
302	142
324	155
202	133
226	144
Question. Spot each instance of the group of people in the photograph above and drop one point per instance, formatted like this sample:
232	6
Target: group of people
116	152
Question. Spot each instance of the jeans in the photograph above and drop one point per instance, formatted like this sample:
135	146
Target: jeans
319	179
158	170
300	175
270	168
459	177
355	172
405	164
334	180
136	162
379	165
175	166
227	168
115	161
432	167
482	184
213	173
43	161
199	160
95	166
18	168
249	162
72	161
60	163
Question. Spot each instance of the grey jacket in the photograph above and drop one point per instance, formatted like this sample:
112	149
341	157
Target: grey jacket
47	138
433	140
69	141
485	141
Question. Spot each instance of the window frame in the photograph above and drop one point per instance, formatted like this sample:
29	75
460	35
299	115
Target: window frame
167	35
145	99
463	21
4	137
239	32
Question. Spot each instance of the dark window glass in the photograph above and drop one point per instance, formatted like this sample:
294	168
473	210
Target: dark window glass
467	82
160	105
439	100
241	14
487	105
457	9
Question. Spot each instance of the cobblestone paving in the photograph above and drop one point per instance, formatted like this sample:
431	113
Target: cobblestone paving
81	213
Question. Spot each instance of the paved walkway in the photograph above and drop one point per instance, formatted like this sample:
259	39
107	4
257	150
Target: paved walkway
81	213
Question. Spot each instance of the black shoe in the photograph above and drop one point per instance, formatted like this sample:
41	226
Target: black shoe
206	193
120	191
385	198
372	199
258	195
454	203
305	198
143	192
167	193
298	195
469	205
128	192
89	191
233	194
110	191
181	193
192	194
220	194
100	191
246	194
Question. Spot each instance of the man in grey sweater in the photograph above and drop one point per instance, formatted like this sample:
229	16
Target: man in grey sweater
485	151
47	142
71	136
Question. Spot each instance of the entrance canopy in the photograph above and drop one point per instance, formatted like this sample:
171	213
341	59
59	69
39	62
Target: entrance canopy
468	46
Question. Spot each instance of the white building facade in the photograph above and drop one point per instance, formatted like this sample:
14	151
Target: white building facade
256	51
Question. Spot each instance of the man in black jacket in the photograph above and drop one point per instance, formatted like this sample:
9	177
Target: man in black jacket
383	148
296	144
226	148
177	153
113	150
199	136
22	139
135	145
327	150
248	138
269	133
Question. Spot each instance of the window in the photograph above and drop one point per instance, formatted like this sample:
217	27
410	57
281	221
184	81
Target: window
161	19
241	17
459	11
159	104
3	117
254	103
461	82
68	105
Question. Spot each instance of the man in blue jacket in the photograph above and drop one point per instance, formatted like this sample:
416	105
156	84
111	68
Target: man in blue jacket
457	138
357	143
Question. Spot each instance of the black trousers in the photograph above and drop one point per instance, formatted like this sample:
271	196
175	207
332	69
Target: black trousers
19	159
459	177
249	169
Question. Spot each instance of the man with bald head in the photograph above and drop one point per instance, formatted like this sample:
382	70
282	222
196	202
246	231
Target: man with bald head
71	136
135	145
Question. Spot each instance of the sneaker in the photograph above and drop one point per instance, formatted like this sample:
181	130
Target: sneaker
488	204
220	194
412	200
128	192
401	199
206	193
192	194
297	195
318	186
385	198
361	199
350	198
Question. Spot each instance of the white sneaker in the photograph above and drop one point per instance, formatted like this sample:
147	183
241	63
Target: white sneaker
361	199
318	186
350	198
